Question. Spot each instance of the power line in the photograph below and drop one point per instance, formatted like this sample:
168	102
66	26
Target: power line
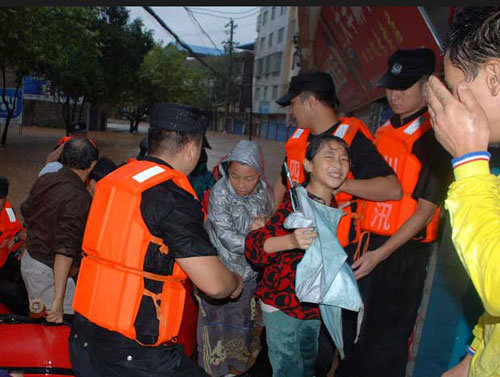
218	31
209	31
164	25
226	17
193	18
224	12
212	31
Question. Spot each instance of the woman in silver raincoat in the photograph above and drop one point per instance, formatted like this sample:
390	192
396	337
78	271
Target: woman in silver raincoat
239	202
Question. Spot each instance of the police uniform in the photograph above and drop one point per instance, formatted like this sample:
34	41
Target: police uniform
134	334
393	290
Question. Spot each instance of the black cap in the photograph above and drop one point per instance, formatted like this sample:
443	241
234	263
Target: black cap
406	67
4	187
77	128
175	117
315	81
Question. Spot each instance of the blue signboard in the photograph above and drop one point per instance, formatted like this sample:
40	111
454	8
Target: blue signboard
34	85
10	97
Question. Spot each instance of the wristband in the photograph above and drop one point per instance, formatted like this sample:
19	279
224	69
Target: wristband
469	157
471	351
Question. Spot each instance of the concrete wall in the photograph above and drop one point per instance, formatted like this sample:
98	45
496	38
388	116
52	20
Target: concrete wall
45	113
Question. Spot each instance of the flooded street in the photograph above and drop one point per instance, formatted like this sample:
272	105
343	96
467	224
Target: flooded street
26	151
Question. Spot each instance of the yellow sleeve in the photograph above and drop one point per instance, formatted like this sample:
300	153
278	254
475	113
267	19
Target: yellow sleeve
478	333
474	206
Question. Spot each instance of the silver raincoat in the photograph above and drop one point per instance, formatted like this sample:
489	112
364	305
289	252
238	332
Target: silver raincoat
230	215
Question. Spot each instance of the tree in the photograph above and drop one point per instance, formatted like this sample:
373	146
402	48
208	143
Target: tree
170	79
136	103
70	56
165	76
220	82
123	47
127	51
21	50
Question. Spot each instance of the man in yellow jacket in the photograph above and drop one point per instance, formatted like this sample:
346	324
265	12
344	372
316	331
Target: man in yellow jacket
466	118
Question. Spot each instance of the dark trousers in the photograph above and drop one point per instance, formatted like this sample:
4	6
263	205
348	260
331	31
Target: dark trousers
13	293
96	352
391	295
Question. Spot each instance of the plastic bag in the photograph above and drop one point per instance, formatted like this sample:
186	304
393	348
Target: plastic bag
323	276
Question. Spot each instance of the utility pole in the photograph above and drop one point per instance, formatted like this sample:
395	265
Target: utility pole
231	26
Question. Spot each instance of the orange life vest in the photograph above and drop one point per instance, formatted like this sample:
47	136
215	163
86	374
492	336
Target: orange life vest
396	144
111	280
9	227
296	152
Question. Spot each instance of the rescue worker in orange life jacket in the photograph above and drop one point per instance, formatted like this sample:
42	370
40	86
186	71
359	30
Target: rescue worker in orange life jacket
11	230
12	236
313	105
392	272
144	238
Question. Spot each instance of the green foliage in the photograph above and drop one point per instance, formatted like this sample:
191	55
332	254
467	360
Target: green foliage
95	53
170	79
21	49
71	50
123	47
220	82
163	71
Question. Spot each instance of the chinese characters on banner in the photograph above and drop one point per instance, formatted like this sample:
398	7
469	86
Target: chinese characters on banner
354	43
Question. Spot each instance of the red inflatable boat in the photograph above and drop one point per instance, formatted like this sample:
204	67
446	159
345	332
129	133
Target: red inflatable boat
30	348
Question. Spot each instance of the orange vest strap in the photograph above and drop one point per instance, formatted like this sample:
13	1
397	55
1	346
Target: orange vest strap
145	274
159	241
156	297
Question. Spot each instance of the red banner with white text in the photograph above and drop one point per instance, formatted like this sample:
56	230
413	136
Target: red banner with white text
354	43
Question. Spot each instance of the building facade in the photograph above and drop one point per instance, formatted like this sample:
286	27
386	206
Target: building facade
276	58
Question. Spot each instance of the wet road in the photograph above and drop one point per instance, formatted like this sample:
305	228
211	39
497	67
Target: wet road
27	149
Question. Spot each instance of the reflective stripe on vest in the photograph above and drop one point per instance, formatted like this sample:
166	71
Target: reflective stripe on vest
9	227
385	218
110	284
296	151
